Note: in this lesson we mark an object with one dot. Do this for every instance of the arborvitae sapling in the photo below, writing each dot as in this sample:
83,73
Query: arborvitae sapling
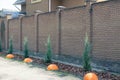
48,55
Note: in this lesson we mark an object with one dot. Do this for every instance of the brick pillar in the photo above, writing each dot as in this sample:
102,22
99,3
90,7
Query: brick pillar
8,17
20,21
90,27
6,23
60,9
2,33
37,31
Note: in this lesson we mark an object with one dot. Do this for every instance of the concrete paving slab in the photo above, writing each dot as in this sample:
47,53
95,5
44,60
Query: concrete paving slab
14,70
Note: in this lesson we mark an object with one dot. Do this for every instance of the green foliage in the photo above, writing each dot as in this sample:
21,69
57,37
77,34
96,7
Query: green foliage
48,55
0,45
86,55
10,50
26,52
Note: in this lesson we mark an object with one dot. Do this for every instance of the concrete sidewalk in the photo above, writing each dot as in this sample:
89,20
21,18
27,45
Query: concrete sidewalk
14,70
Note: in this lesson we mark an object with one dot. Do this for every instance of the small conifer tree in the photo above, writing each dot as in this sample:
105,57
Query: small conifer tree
26,55
10,50
86,55
48,55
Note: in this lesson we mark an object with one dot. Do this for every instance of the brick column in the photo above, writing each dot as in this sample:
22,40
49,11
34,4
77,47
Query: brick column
20,21
37,31
8,17
90,28
60,9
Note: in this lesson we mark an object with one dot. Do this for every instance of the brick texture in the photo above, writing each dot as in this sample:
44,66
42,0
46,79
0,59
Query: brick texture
48,26
42,6
73,3
0,26
74,23
14,32
106,30
54,4
29,31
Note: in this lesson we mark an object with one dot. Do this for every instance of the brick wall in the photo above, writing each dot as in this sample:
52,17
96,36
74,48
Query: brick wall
103,24
106,30
14,32
73,31
54,4
3,38
48,26
42,6
29,31
73,3
0,27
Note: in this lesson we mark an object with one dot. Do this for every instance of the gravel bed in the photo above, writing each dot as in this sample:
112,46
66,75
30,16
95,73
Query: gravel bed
77,70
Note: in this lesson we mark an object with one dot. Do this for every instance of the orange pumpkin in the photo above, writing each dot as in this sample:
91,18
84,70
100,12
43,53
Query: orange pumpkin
90,76
10,56
52,67
28,60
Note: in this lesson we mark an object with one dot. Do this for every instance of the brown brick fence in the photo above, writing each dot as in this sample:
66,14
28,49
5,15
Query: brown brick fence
67,30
